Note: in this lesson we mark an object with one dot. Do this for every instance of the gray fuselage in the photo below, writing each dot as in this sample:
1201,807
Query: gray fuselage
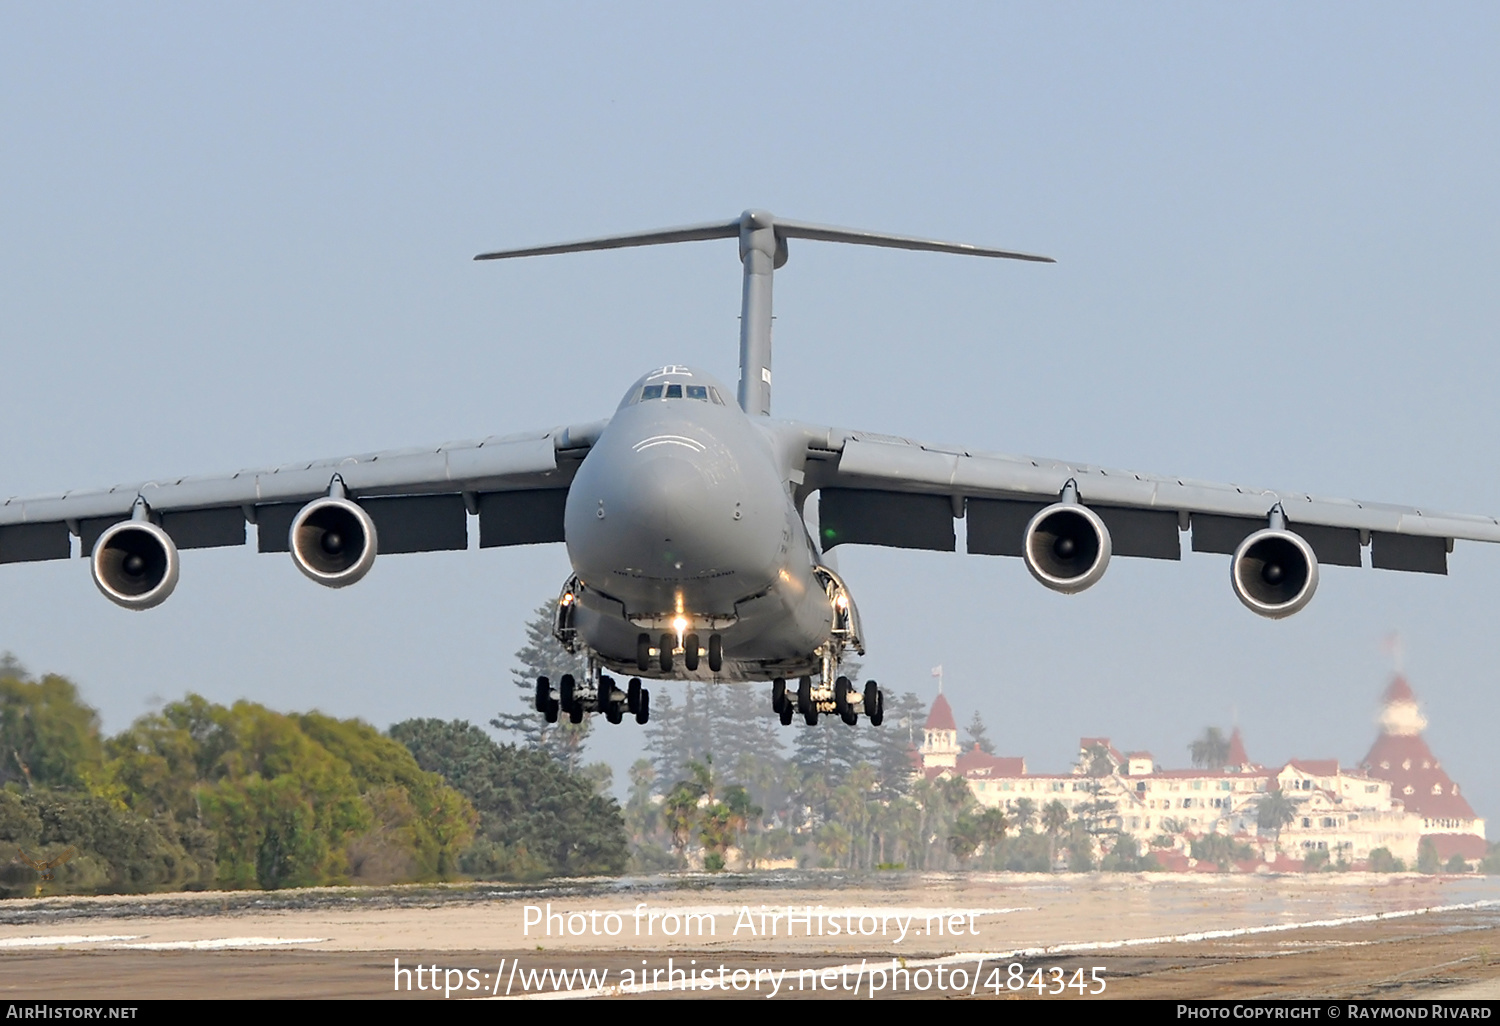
681,519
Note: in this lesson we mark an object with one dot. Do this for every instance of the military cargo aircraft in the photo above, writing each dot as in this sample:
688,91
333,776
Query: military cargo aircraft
683,517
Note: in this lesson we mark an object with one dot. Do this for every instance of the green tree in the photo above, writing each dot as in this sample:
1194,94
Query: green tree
977,735
1023,814
1382,861
1427,856
544,656
1491,861
1274,811
50,738
1220,850
1211,750
1055,818
535,818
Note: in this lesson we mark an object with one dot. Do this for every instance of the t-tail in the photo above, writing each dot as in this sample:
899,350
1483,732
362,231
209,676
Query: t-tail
763,248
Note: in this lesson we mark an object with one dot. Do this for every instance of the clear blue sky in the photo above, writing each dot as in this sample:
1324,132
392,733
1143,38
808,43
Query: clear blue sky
236,235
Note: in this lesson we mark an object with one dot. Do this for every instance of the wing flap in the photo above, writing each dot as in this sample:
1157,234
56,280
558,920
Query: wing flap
521,517
29,543
419,523
1143,511
900,520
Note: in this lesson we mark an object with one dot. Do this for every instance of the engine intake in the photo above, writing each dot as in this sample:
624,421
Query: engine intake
1066,547
333,542
135,564
1274,573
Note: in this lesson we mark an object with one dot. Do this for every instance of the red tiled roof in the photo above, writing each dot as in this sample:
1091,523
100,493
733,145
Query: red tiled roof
977,761
1407,762
1470,846
1188,774
941,717
1085,743
1316,767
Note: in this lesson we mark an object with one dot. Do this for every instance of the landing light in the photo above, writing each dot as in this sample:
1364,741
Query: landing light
680,625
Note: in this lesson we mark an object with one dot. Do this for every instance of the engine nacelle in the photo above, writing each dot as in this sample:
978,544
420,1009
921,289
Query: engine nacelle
135,564
1274,573
333,541
1066,547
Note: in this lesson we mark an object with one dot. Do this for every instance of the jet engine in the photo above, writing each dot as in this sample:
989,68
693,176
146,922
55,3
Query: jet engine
1274,573
333,541
135,564
1066,547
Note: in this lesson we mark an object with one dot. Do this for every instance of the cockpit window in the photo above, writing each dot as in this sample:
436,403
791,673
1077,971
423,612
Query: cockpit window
702,393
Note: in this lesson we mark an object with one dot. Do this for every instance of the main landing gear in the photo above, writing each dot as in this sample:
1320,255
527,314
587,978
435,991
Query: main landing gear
843,698
604,697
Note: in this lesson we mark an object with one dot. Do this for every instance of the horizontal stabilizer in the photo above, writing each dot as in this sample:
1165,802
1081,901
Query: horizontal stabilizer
829,233
687,233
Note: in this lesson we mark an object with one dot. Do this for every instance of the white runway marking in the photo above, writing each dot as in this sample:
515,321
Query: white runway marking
1051,949
218,943
52,942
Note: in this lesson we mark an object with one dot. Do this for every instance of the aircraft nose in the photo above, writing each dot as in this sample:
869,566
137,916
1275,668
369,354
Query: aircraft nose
668,497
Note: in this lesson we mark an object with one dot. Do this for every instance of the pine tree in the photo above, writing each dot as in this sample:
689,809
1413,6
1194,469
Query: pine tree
978,735
544,656
890,745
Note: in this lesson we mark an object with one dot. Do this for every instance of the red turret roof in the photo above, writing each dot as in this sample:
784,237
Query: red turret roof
1399,691
1237,756
941,717
1417,779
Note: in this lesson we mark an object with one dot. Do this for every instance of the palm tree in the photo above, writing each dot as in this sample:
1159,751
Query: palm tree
1211,751
1054,821
1023,813
1274,811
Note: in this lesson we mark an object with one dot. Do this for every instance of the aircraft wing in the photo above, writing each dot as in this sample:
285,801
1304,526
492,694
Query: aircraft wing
419,499
881,490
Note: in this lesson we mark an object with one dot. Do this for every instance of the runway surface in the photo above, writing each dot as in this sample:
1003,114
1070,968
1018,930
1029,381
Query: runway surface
798,935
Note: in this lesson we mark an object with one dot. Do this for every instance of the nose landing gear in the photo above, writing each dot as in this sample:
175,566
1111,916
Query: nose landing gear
662,652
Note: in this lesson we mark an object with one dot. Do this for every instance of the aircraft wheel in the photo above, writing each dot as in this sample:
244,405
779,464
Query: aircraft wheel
606,693
643,707
690,651
613,714
811,716
575,714
666,653
543,694
804,696
849,716
786,714
643,653
715,652
565,699
633,695
841,689
778,695
878,716
550,712
872,697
